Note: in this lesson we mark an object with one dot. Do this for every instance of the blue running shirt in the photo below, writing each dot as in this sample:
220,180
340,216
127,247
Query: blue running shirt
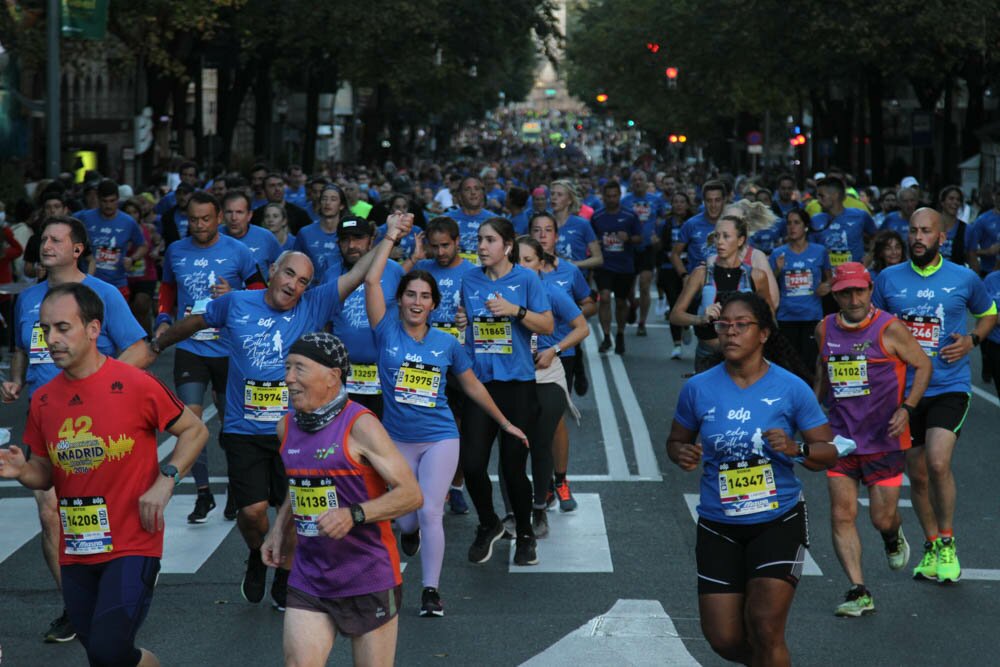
468,231
109,243
694,234
798,281
843,236
321,247
449,282
575,235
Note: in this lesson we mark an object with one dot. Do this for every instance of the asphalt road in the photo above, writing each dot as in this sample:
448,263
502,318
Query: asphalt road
498,617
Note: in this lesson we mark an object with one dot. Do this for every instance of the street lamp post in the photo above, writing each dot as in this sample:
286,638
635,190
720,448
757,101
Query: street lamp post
52,118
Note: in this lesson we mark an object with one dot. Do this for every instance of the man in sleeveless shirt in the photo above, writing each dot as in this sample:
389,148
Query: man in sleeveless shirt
340,463
864,354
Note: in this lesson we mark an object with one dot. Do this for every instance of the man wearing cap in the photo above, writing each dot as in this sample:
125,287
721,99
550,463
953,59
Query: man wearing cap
258,326
842,230
263,246
350,323
340,464
116,241
899,221
864,353
933,296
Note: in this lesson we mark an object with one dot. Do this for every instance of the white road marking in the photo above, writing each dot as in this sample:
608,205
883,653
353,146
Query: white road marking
571,477
810,567
980,575
577,541
187,546
638,633
167,445
643,446
19,518
613,449
986,396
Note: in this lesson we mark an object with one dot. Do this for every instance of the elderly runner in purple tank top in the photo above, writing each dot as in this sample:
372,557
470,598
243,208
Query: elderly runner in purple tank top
864,354
340,465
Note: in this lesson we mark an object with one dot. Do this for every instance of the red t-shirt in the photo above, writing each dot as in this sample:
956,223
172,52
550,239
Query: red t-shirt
100,435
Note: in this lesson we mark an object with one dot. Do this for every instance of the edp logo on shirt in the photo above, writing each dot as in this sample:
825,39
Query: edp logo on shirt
742,415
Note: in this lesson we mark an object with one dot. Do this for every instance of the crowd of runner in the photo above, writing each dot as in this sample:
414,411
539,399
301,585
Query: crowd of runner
367,336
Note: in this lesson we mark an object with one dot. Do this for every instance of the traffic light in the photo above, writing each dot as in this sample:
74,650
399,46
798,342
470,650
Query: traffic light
671,73
673,138
652,47
602,98
682,138
630,123
798,140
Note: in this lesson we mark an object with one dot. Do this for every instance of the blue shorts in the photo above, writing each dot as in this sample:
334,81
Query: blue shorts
107,602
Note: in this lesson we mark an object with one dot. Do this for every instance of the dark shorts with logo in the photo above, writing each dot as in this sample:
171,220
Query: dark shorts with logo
351,616
945,411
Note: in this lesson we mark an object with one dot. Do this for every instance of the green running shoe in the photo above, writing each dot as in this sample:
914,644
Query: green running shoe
948,569
899,557
857,602
927,568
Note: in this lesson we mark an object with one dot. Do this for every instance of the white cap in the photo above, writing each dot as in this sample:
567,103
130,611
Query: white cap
908,182
124,191
818,175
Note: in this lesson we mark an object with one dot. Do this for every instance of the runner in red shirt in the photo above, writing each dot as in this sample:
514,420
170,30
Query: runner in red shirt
92,434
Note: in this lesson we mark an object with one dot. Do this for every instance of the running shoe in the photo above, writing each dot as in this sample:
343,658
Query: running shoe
676,354
948,569
279,589
619,343
641,330
580,383
509,527
456,501
550,495
686,335
410,542
567,503
486,536
60,630
633,312
605,344
927,568
231,509
255,579
540,522
526,552
430,603
898,554
204,504
857,602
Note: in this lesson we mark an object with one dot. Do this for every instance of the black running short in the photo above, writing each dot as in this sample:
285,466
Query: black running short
352,616
645,260
729,554
256,473
619,284
945,411
190,367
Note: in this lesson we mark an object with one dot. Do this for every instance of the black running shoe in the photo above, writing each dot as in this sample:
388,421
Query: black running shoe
202,506
641,330
410,542
540,522
279,589
605,344
60,630
525,553
231,509
580,383
619,343
486,536
255,579
430,603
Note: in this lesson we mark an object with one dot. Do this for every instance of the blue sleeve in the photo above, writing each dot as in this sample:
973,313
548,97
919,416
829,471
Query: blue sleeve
808,414
684,235
537,299
581,290
300,242
247,266
826,262
217,310
773,259
635,226
275,248
685,414
327,298
122,329
979,299
565,308
460,359
878,294
381,329
870,228
970,236
588,233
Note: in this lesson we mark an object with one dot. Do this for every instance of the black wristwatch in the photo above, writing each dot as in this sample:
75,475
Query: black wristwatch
357,514
804,450
522,312
975,340
170,470
154,344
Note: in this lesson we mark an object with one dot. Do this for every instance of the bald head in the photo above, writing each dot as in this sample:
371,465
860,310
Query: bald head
926,236
927,216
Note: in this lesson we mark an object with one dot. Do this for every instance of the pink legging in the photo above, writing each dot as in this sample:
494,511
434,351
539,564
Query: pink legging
433,464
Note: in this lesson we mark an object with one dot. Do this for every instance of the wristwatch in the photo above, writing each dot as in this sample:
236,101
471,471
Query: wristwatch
170,470
975,340
804,450
521,312
557,349
154,344
357,514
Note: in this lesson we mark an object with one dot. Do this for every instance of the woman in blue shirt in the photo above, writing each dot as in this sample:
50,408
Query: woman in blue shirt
737,421
803,273
414,361
504,304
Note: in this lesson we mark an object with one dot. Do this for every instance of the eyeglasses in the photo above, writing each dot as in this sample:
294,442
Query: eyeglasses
724,326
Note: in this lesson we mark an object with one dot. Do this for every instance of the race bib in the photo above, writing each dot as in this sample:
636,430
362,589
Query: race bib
417,384
612,243
747,487
363,379
38,351
492,335
927,331
848,375
470,256
199,309
86,529
452,329
138,268
838,257
310,497
264,400
107,258
798,282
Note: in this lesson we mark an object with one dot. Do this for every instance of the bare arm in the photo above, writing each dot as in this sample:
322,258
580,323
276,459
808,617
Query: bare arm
588,306
280,535
898,341
138,354
576,335
760,263
368,439
182,330
678,313
596,259
762,286
682,448
191,434
34,474
675,259
11,390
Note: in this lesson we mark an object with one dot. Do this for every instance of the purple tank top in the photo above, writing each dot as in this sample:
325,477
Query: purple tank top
866,383
323,475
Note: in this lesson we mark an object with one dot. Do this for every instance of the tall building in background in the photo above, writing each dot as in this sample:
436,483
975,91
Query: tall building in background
549,90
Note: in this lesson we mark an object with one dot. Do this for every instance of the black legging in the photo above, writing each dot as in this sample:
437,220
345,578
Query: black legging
541,431
802,336
516,399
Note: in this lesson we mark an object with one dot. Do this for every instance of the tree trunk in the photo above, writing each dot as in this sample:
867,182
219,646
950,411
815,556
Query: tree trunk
312,121
876,129
234,84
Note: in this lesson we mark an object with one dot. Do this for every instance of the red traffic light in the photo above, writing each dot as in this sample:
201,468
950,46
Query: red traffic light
652,47
602,97
673,138
671,72
797,140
